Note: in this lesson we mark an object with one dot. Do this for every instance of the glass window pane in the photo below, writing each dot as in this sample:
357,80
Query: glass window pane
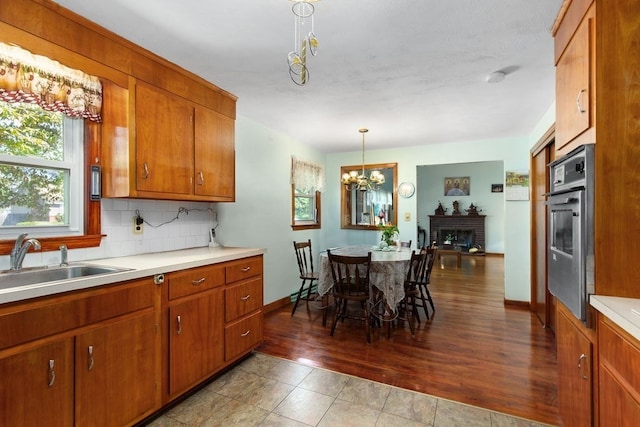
27,130
32,196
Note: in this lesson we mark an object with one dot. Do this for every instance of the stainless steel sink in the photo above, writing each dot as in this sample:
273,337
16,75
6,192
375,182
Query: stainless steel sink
13,279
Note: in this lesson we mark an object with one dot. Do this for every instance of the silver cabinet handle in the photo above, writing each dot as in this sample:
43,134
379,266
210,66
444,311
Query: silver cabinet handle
580,359
246,297
179,325
52,373
198,282
90,360
578,101
244,270
246,333
201,175
146,171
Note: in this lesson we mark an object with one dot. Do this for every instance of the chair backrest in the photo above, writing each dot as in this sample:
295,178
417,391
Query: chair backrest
430,253
350,274
304,257
417,265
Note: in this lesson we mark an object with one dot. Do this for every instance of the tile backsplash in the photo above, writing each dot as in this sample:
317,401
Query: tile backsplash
161,231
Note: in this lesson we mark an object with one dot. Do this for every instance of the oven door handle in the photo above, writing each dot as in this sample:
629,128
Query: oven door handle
567,201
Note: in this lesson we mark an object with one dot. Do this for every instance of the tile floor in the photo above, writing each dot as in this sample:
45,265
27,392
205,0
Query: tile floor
268,391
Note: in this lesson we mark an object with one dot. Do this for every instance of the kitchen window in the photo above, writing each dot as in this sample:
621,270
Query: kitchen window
307,183
41,159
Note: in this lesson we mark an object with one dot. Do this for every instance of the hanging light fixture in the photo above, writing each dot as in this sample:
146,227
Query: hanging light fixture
355,180
303,42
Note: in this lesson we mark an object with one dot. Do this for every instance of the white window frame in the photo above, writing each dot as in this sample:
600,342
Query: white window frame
73,162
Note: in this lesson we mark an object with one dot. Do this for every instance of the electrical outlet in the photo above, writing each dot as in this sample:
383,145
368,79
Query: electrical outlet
137,225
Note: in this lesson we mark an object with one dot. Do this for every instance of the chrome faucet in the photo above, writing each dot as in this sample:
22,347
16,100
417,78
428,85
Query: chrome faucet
20,249
63,256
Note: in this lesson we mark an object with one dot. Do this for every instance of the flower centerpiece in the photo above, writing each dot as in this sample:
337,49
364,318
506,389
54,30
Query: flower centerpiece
389,232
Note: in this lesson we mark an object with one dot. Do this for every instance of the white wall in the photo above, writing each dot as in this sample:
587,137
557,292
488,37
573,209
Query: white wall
430,191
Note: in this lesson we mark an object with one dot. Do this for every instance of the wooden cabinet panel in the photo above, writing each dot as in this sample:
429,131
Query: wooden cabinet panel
575,379
619,375
243,269
31,392
195,340
195,280
243,298
242,336
116,372
574,86
26,321
164,142
214,155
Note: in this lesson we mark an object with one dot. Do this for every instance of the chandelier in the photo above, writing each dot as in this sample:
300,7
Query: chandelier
355,180
303,42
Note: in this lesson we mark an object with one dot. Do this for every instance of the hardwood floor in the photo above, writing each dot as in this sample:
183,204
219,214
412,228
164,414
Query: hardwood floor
474,349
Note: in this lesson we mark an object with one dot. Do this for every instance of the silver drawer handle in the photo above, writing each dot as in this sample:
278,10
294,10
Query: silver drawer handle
244,270
201,175
52,373
179,331
244,298
198,282
578,101
246,333
146,171
90,363
580,359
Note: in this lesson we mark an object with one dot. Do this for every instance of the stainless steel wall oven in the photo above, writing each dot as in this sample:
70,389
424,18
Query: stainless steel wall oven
570,244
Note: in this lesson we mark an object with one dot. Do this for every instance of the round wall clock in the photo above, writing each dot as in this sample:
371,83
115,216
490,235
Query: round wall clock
406,189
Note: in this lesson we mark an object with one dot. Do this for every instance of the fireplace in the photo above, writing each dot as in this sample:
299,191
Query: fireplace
462,231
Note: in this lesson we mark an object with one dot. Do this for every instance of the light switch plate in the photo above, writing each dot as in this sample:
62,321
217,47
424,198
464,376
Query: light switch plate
407,216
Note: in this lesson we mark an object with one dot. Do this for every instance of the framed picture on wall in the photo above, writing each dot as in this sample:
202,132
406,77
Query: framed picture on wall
457,186
497,188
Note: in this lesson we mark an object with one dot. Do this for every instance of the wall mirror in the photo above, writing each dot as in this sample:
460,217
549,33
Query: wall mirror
364,210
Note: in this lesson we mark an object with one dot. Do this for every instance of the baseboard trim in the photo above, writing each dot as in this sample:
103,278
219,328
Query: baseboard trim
275,305
523,304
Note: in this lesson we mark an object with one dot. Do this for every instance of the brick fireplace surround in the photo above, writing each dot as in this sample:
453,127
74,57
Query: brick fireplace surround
460,224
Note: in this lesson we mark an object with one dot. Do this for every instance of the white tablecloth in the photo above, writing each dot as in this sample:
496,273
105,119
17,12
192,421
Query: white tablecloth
387,273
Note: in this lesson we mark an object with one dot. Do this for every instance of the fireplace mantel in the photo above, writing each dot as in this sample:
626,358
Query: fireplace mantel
461,223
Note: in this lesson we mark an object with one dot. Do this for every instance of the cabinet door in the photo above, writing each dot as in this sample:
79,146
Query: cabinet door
36,386
574,373
116,372
164,142
196,328
214,155
573,86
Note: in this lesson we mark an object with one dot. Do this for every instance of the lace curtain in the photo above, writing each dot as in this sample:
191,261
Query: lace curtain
307,175
36,79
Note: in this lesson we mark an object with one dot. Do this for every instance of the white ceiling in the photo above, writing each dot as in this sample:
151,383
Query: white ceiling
412,71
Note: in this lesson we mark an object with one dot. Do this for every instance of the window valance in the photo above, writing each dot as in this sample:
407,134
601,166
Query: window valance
36,79
307,175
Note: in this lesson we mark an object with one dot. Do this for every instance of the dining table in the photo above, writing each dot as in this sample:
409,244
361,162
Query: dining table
387,272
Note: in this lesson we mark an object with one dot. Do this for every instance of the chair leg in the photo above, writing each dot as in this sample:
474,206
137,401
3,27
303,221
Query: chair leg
295,304
367,326
325,308
424,300
429,298
410,310
336,316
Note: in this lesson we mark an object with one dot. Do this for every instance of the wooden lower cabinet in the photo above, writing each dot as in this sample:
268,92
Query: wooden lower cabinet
116,368
36,386
575,352
619,376
196,346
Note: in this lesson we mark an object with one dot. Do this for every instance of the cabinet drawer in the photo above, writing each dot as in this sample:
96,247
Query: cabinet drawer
243,298
619,352
27,321
243,269
242,336
195,280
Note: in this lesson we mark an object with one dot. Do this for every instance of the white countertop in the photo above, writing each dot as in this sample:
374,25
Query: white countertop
139,266
624,312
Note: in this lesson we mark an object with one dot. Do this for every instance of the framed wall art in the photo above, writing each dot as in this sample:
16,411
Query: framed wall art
457,186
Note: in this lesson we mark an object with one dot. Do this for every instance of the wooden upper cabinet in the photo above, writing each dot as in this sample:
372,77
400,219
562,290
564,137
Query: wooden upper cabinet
214,155
164,142
575,86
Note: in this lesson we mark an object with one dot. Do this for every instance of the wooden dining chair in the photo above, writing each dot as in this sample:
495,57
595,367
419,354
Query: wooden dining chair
407,307
308,275
431,253
350,276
